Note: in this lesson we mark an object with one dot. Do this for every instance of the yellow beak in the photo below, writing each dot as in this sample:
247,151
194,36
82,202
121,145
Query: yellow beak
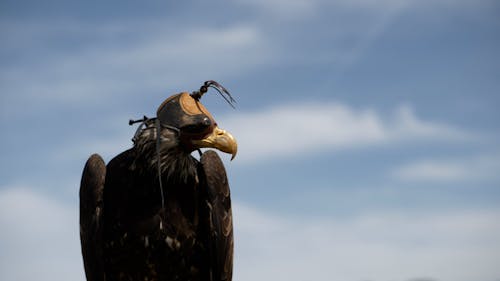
219,139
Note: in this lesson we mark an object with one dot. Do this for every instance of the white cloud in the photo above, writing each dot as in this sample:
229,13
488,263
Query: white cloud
476,168
379,247
108,147
293,9
150,55
39,237
293,130
282,8
159,58
347,28
299,128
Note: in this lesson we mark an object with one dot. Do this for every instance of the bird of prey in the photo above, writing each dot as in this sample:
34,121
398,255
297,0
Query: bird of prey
155,212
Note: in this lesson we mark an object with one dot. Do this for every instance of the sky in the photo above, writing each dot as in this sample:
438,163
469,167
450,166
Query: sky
368,131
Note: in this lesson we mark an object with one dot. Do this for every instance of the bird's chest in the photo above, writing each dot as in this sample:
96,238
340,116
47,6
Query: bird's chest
155,241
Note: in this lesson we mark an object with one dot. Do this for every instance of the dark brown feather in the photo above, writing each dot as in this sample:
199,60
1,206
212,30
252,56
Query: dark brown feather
91,206
221,228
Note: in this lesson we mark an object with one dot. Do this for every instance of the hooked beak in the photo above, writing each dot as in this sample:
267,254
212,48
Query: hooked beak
219,139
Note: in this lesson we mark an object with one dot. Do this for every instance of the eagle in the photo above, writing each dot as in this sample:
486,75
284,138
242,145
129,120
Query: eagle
156,212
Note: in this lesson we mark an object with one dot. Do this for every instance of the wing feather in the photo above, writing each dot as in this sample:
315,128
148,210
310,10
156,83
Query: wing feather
221,228
91,203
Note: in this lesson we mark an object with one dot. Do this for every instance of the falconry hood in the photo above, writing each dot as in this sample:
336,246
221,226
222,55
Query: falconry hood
196,126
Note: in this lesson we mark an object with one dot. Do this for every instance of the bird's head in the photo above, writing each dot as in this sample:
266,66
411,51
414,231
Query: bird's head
195,126
185,123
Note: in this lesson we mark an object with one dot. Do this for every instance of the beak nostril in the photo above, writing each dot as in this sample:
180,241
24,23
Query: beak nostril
218,139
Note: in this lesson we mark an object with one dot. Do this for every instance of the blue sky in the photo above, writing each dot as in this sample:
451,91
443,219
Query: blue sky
368,130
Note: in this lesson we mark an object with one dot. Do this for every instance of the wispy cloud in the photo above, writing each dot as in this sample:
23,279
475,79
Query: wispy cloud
376,246
283,9
295,129
159,58
477,168
114,59
311,127
301,8
40,241
39,237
